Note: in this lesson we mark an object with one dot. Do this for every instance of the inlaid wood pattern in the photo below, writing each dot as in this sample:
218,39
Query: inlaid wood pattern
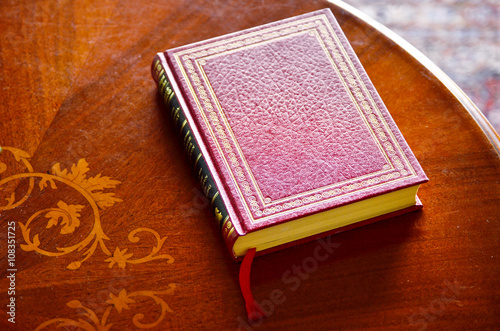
98,199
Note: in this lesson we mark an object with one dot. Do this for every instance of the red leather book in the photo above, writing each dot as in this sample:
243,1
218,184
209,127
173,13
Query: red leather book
287,134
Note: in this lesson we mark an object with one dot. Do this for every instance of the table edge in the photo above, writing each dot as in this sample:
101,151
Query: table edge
466,102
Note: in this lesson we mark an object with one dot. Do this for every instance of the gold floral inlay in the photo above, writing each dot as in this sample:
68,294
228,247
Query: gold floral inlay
67,217
119,302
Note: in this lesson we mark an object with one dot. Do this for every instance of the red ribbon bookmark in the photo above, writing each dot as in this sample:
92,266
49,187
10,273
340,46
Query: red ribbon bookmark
253,309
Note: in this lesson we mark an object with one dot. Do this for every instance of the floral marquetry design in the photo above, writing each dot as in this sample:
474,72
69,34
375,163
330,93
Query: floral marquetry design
93,185
119,257
121,301
68,214
117,303
67,217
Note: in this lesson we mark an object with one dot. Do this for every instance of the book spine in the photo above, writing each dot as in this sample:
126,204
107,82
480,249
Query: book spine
192,148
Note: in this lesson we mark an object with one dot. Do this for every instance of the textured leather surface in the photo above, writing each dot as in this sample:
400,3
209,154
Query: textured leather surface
292,117
292,122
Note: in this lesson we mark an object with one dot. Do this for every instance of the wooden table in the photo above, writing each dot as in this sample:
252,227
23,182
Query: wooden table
110,227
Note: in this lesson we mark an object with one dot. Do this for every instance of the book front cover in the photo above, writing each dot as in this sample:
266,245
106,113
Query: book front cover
293,122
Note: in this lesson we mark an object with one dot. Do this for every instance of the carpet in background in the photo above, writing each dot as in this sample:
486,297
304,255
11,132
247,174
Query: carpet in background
460,37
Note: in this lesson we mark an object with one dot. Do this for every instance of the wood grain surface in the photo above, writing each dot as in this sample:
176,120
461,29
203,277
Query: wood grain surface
111,230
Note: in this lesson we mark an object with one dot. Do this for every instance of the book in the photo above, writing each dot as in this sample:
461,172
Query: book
286,133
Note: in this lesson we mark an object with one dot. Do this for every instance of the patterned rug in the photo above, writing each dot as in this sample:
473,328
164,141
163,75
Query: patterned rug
461,36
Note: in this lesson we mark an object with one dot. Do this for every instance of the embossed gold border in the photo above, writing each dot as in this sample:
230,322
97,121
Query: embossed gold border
200,56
